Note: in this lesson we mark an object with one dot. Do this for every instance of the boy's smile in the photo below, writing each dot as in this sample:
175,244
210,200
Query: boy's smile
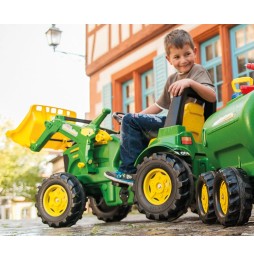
182,58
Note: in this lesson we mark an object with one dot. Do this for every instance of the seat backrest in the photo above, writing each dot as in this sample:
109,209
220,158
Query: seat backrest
191,115
193,119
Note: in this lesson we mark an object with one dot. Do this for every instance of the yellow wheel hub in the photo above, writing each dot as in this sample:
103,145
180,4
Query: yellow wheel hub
224,197
204,198
157,186
55,200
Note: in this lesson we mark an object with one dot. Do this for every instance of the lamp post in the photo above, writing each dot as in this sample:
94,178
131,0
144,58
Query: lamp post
54,37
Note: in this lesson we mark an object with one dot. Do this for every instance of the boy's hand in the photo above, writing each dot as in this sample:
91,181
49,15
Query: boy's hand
177,88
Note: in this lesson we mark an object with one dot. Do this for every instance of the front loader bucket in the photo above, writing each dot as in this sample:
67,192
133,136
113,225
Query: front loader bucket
31,128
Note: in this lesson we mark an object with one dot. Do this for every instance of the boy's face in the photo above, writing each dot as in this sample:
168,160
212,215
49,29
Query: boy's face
182,59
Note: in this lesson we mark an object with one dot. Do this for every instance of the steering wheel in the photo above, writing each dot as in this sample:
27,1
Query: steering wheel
118,116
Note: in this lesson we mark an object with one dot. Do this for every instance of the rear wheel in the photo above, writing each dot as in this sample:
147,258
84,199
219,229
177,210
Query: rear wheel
204,194
107,213
232,197
162,187
60,200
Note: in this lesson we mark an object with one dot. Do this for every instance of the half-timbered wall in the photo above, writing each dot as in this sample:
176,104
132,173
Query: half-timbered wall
125,62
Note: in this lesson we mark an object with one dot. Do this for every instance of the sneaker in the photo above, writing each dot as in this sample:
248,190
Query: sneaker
119,177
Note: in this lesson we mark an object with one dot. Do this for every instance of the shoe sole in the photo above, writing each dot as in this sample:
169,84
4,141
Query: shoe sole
119,181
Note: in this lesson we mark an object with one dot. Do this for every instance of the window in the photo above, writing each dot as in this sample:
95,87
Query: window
128,97
147,92
242,49
211,60
147,82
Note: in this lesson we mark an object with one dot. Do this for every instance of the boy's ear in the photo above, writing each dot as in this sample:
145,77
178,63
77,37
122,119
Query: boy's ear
195,50
168,59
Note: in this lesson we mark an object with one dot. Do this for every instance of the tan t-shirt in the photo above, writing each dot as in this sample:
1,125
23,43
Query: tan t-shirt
197,73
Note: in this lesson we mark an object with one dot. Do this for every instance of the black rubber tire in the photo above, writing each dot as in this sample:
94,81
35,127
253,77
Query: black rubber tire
239,193
207,216
76,200
180,197
107,213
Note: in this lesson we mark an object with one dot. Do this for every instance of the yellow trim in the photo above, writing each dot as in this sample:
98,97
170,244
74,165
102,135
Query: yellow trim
81,165
241,80
55,200
76,149
224,197
157,186
151,140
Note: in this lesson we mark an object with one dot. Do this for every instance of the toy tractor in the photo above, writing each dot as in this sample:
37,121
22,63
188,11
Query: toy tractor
88,151
209,167
164,184
201,159
164,187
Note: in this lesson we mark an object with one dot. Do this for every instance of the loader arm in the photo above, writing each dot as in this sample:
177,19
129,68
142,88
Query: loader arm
70,131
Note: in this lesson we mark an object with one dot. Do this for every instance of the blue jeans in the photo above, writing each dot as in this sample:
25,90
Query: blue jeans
136,132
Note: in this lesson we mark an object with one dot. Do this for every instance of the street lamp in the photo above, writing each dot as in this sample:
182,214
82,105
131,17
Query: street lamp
54,37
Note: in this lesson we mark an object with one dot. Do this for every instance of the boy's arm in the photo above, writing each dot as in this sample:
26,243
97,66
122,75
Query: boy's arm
152,109
203,91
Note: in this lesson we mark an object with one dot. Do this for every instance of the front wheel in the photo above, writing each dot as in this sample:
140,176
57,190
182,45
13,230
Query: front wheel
107,213
60,200
232,197
162,187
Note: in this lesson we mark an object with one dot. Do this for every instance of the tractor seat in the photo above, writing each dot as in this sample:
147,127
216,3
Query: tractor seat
191,111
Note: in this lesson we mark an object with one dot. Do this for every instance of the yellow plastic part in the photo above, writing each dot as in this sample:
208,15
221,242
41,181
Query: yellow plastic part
224,197
193,119
157,186
81,165
87,131
102,137
204,198
32,127
55,200
241,80
151,140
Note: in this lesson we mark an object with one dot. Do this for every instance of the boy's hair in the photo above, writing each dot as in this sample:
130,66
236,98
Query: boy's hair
177,38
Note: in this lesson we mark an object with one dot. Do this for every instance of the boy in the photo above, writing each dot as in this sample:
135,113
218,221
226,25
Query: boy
138,129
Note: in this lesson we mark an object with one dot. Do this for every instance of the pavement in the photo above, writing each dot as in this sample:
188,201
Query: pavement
135,224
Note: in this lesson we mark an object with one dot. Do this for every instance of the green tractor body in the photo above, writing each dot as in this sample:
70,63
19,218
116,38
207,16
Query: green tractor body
176,140
88,151
220,166
93,152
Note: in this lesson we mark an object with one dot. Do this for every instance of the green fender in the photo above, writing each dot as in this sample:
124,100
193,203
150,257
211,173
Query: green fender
156,147
169,140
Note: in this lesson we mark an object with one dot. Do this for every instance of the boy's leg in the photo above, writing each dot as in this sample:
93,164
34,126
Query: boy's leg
136,132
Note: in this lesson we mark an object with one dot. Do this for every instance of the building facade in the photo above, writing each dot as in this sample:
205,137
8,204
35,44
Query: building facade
16,208
128,70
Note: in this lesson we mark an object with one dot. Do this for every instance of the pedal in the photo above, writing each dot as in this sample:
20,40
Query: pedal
117,184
